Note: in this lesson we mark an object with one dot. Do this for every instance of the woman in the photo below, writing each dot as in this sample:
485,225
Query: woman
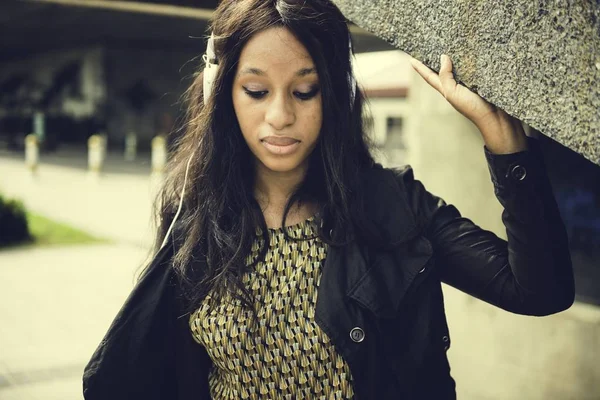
293,266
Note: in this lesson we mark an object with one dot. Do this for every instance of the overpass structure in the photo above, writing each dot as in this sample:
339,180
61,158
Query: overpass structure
72,68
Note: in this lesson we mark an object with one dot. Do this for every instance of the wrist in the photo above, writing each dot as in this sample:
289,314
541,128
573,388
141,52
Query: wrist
503,135
497,145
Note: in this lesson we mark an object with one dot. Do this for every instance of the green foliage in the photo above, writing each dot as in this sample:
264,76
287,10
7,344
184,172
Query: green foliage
13,222
48,232
21,227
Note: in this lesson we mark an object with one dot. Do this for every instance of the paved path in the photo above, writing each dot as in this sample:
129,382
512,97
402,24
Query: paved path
113,205
56,303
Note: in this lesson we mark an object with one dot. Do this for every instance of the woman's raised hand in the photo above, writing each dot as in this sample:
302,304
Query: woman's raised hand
502,133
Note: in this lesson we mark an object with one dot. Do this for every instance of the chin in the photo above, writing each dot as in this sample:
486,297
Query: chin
282,164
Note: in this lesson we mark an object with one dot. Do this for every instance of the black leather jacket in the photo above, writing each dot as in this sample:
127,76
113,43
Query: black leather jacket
383,310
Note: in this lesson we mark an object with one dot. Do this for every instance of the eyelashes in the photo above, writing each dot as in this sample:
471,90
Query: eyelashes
308,95
257,95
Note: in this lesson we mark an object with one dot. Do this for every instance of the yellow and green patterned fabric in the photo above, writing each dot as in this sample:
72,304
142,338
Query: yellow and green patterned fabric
287,356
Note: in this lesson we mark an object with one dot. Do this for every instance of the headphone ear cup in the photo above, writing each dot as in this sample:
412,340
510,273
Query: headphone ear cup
209,75
210,68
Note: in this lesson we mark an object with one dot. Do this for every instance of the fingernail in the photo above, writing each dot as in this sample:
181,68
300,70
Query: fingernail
442,58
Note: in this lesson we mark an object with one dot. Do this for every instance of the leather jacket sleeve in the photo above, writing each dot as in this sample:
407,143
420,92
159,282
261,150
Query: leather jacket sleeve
531,273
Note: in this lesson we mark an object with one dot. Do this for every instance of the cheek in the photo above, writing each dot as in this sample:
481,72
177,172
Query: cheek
247,116
314,120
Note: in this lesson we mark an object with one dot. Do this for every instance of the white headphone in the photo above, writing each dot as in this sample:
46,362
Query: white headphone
210,72
208,78
210,68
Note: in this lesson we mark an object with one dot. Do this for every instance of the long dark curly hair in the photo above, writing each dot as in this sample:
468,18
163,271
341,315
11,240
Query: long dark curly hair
220,216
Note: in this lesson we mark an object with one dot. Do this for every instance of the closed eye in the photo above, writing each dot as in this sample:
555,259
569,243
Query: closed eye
300,95
256,94
307,95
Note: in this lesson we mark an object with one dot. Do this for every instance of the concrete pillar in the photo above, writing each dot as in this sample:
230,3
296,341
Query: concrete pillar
130,146
104,144
95,153
39,126
31,152
159,154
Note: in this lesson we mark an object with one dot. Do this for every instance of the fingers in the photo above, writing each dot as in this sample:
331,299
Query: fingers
428,75
466,102
444,81
446,77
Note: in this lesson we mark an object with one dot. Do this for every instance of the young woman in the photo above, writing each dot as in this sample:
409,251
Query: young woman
292,266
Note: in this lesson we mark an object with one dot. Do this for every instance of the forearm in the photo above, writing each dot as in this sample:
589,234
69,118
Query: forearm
531,273
538,251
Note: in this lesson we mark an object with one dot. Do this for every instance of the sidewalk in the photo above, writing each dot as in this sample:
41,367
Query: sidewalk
115,205
56,303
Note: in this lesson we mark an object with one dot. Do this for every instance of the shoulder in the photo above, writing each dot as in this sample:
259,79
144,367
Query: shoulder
393,200
398,178
396,184
399,202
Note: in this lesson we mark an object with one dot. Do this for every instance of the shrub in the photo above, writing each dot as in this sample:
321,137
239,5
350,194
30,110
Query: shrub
13,222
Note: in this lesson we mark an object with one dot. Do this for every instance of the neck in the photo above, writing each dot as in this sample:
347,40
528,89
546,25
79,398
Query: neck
271,187
273,190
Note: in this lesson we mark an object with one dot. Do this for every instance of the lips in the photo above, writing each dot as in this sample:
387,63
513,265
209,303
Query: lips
280,145
279,140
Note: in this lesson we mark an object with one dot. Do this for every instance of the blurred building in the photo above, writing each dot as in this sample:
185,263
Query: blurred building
70,71
384,77
73,68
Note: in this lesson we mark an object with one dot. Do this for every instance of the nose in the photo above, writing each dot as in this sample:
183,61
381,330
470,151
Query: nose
280,112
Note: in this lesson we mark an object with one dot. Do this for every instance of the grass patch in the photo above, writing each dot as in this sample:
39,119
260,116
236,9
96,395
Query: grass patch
45,231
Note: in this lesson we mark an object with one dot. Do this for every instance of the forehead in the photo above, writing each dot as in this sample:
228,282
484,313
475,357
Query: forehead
274,50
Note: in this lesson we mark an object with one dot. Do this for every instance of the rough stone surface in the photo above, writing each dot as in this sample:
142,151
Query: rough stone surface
539,60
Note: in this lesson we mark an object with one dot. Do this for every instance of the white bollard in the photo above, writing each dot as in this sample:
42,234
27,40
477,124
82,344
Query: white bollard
104,141
39,125
130,146
95,156
159,154
32,152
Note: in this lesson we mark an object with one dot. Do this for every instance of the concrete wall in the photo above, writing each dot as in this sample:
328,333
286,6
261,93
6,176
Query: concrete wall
495,355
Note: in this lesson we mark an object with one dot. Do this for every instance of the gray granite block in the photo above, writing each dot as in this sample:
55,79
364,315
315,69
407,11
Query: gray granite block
539,60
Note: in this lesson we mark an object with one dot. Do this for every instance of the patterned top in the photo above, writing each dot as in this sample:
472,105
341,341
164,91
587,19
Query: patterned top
288,356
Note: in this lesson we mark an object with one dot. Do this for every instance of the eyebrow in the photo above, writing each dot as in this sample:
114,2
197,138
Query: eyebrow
255,71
